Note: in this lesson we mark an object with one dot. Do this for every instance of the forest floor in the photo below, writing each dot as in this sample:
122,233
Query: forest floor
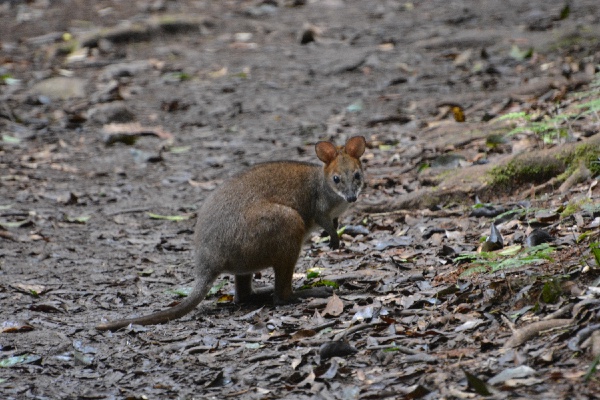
482,120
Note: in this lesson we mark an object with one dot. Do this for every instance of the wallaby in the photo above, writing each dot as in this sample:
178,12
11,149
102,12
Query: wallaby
260,218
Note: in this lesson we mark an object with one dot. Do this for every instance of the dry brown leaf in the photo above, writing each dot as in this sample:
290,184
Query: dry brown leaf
334,306
136,129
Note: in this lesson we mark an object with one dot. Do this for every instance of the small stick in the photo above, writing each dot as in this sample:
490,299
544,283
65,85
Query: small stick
526,333
128,211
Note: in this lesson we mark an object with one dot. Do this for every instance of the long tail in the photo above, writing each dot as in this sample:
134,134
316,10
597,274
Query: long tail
189,304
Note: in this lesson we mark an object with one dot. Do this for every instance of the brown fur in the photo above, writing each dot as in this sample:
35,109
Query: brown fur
260,218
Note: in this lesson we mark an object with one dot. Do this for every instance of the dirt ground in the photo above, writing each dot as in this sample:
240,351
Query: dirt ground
115,113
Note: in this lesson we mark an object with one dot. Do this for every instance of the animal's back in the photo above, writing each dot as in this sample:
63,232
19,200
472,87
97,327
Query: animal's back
288,183
252,209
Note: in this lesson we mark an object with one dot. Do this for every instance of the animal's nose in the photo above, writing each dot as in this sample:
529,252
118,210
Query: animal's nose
351,198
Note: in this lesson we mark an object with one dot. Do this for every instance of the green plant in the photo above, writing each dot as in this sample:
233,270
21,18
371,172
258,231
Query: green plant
552,128
595,248
510,257
549,128
593,105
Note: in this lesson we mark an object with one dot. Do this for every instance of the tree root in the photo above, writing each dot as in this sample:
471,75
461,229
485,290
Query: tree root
528,332
538,167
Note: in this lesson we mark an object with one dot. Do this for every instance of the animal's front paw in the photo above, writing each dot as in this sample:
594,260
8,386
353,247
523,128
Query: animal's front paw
334,242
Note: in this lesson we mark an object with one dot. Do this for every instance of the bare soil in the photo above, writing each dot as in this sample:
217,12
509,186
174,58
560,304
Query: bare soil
208,88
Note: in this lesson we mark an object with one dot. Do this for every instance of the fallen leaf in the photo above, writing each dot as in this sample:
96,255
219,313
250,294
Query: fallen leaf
339,348
522,371
10,139
30,289
472,324
78,220
175,218
459,115
84,359
129,132
327,371
477,384
16,224
334,306
182,292
303,334
16,360
46,307
15,327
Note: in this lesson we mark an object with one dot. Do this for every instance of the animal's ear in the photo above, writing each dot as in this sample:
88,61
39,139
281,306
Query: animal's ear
326,152
355,146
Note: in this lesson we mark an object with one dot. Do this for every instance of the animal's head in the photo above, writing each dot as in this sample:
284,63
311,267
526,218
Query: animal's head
343,169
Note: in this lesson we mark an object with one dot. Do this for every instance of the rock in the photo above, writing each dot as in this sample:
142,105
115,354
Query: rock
351,61
307,36
110,112
107,93
261,10
59,88
537,20
125,69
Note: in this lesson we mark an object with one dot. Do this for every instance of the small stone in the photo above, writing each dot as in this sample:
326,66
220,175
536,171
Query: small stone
59,88
125,69
307,36
537,237
110,112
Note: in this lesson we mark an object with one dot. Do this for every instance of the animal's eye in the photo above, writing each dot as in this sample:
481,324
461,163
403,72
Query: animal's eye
336,179
357,175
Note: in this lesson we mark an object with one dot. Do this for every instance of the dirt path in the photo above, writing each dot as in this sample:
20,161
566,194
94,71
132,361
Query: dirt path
209,88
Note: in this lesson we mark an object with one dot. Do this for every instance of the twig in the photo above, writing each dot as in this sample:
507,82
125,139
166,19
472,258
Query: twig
175,346
531,192
15,214
400,348
128,211
385,214
522,335
263,357
508,323
242,340
426,213
559,313
9,112
351,330
236,394
9,236
326,325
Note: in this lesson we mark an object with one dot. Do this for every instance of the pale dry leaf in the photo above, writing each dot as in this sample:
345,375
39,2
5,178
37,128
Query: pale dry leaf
334,306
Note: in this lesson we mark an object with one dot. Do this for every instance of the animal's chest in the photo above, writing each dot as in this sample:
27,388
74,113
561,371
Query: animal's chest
339,209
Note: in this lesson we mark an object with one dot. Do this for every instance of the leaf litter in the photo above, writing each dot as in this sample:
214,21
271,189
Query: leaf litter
414,299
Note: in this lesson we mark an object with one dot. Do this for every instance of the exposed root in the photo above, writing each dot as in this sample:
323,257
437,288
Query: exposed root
528,332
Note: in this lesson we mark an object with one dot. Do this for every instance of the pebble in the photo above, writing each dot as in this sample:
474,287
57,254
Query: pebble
59,88
110,112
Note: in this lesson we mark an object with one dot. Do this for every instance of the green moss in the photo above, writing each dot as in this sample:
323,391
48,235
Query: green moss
443,175
523,170
584,37
570,209
587,153
67,47
167,19
526,169
574,207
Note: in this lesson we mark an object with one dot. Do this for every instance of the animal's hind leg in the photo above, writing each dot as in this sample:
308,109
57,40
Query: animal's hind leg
278,235
243,288
245,293
287,257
